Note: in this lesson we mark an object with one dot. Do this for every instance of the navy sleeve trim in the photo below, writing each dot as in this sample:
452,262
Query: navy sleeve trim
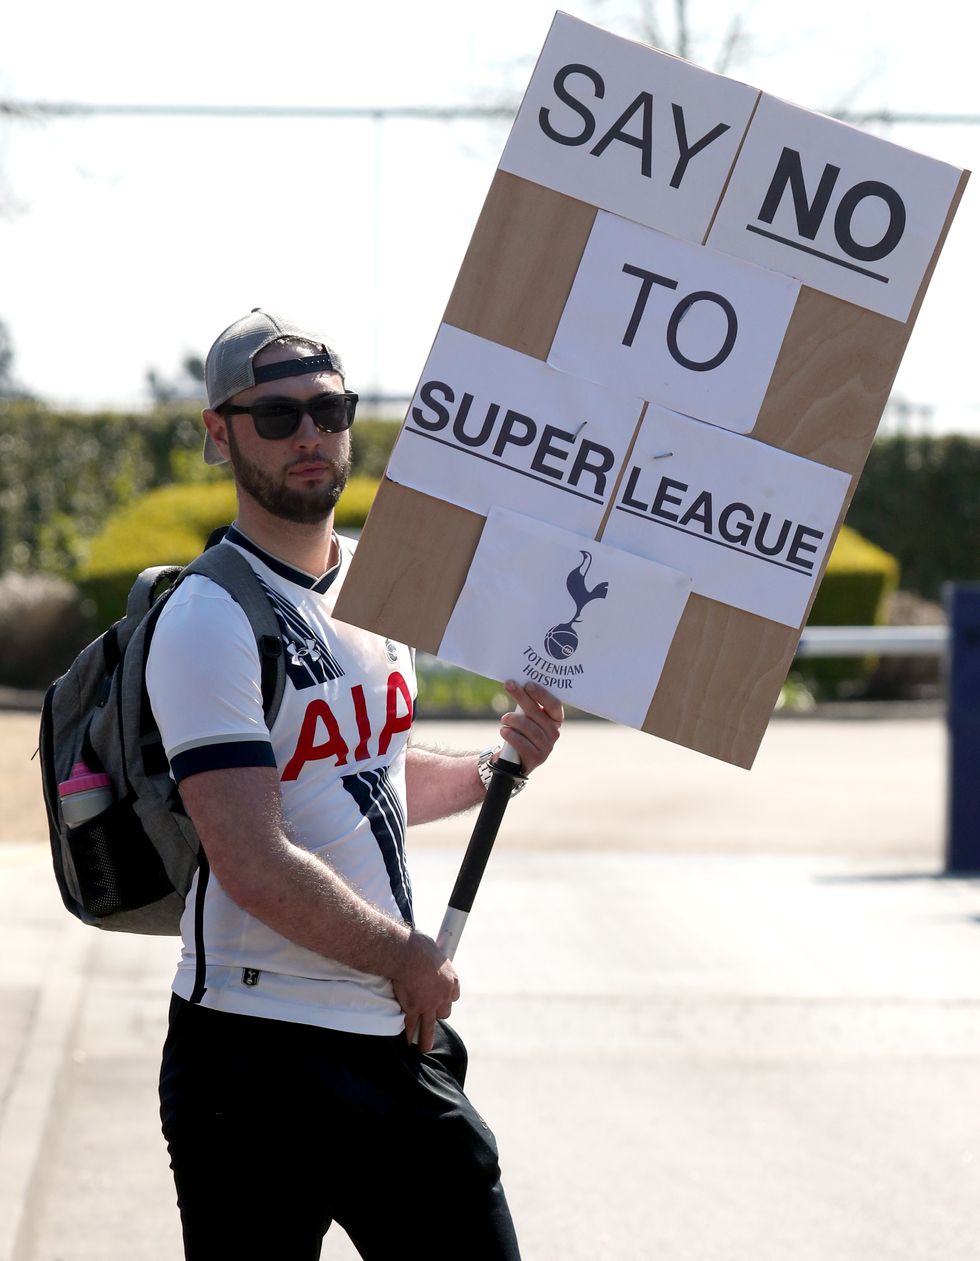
222,757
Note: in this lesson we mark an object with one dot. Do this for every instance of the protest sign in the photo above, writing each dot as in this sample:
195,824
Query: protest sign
609,251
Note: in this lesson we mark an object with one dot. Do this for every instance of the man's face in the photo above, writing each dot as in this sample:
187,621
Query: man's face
299,478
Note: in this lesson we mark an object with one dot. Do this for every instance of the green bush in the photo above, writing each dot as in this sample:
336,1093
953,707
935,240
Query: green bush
859,579
855,589
447,691
370,443
918,498
355,503
170,526
63,473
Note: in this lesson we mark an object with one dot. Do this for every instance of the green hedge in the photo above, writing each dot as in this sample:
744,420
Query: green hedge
63,473
170,526
918,498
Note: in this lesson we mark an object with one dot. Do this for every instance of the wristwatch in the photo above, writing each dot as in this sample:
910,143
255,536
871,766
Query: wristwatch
485,770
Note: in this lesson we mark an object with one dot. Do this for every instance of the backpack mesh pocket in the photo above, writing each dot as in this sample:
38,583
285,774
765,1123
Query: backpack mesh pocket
115,863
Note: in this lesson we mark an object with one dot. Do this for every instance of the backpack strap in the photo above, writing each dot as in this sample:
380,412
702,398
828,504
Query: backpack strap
229,569
143,591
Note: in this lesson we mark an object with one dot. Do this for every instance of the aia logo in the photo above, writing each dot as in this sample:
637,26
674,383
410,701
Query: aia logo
346,728
561,642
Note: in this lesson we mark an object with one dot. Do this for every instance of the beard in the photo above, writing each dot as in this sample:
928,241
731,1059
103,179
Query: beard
306,506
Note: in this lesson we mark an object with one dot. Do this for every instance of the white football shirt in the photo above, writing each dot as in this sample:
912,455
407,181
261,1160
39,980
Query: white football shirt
338,743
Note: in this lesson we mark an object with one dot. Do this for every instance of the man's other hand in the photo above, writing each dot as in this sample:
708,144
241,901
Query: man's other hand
426,988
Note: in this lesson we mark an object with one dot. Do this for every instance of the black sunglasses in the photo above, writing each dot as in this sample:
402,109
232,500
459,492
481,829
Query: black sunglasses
280,418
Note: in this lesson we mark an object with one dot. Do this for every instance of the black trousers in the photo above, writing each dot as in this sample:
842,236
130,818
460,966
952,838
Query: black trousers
275,1130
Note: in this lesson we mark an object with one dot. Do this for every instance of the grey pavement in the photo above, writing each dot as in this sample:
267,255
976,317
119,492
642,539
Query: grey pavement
711,1014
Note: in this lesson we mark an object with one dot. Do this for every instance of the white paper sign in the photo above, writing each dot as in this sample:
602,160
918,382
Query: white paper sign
672,322
845,212
491,426
749,522
590,623
625,127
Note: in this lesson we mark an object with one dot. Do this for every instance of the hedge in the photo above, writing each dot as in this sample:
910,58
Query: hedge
170,526
63,473
918,498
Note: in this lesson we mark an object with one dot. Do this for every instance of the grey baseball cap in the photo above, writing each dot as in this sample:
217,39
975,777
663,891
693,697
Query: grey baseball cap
229,367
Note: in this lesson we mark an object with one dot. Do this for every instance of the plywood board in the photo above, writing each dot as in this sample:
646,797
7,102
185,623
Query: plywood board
720,681
520,264
412,561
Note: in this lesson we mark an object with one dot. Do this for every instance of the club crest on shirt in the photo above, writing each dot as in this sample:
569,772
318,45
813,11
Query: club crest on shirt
391,650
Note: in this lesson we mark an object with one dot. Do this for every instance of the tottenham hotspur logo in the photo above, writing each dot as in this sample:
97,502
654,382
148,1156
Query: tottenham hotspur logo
561,641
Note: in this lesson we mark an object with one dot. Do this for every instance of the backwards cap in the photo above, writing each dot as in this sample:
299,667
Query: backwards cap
229,368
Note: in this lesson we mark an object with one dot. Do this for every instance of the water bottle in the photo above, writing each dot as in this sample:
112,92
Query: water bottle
84,794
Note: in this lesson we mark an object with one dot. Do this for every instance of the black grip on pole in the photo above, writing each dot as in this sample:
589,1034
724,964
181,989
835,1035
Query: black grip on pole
484,834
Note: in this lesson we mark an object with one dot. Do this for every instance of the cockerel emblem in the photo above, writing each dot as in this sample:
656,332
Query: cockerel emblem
561,641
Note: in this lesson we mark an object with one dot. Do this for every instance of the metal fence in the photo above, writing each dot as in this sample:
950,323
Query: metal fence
958,643
882,641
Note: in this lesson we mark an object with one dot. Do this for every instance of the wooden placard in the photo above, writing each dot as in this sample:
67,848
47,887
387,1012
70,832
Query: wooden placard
825,397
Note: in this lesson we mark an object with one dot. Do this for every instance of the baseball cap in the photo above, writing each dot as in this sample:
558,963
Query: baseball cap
229,367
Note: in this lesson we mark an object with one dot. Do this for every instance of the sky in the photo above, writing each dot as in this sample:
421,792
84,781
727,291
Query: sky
128,243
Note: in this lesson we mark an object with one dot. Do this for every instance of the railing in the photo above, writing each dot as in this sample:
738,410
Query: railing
959,644
882,641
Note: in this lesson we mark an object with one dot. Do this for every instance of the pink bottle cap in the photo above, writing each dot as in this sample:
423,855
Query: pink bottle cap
83,780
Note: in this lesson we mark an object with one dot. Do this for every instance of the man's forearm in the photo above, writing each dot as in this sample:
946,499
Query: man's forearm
303,898
440,784
287,887
238,815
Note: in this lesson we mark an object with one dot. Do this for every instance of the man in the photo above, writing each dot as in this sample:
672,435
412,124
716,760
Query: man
291,1095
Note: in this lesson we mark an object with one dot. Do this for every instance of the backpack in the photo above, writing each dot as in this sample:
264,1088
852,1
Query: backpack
131,866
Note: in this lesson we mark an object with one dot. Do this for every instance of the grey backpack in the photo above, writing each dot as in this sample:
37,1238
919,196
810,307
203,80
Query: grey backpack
131,866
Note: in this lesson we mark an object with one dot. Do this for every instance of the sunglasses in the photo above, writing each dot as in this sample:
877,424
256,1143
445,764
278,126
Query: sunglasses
281,417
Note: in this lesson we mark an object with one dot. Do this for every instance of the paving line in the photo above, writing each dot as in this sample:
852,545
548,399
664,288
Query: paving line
27,1113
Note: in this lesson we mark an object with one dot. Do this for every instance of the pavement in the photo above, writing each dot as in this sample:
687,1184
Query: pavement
711,1014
